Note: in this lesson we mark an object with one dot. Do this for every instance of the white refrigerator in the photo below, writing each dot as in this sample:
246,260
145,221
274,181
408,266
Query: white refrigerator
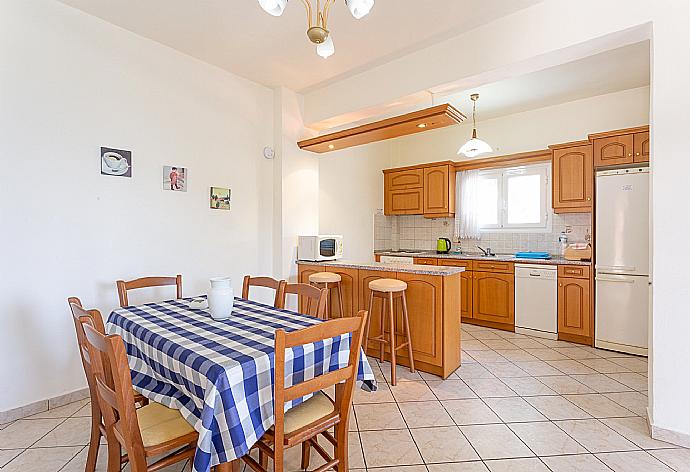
622,260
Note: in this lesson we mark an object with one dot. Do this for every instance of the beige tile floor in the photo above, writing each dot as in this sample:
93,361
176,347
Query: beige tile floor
516,404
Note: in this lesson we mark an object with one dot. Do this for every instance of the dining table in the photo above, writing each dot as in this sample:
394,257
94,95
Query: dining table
219,373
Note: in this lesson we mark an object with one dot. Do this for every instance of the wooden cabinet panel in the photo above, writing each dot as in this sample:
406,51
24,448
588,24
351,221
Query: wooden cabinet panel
572,179
466,295
439,191
425,308
405,179
404,202
613,151
425,260
455,263
641,147
573,271
494,266
304,271
574,307
350,288
493,297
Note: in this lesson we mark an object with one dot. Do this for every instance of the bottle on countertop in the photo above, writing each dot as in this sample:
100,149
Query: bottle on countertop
563,242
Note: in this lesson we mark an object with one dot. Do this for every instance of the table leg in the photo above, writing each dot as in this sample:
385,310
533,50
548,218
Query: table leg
341,434
232,466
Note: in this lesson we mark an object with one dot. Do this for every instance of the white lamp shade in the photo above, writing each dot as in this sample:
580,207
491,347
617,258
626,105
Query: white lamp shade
327,48
359,8
273,7
475,147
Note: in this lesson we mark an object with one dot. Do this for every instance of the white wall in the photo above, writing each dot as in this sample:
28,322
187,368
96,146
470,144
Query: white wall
69,84
351,182
350,193
531,130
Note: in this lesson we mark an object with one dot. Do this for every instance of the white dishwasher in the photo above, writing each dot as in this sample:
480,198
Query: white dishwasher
536,305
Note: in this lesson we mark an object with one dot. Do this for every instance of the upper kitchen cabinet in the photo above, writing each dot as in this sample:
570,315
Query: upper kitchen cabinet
572,177
439,191
420,190
621,147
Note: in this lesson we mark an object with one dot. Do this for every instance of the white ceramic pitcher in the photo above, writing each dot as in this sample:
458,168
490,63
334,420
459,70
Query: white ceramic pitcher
221,298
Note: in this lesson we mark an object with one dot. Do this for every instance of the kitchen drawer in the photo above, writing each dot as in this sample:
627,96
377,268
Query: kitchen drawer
573,271
455,263
425,260
493,266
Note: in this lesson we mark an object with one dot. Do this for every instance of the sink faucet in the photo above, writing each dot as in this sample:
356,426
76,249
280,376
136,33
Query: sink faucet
487,252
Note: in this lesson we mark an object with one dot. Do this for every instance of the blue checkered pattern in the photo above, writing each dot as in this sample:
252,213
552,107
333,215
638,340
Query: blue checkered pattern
219,374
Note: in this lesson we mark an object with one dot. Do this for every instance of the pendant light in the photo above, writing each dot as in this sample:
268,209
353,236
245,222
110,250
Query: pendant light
474,146
317,19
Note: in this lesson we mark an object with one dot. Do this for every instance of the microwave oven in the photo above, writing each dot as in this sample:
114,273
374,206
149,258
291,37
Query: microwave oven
320,248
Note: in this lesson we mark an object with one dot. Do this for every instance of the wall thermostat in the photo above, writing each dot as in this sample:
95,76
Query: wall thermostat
269,153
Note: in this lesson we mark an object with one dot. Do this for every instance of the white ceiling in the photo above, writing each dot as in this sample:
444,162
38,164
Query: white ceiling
238,36
612,71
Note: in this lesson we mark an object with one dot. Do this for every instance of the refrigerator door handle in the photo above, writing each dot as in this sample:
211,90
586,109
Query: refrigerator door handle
616,268
613,278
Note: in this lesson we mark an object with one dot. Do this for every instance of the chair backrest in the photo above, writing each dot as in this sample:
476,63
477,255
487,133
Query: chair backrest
312,300
82,317
113,381
277,285
146,282
348,374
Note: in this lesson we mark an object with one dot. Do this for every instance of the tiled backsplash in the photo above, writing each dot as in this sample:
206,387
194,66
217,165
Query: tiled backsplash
417,232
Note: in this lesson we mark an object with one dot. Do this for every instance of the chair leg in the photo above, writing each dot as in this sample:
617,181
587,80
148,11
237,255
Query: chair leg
306,454
392,338
327,312
341,448
114,454
406,320
94,444
340,300
366,328
263,459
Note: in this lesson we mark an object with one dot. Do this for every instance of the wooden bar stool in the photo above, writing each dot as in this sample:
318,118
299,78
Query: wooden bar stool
329,280
388,290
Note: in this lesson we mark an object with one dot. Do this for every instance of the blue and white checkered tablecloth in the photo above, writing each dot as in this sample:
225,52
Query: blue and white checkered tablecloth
219,374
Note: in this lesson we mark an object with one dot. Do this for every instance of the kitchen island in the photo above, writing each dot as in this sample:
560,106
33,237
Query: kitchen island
433,303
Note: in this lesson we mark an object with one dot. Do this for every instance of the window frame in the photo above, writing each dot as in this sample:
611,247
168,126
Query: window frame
502,175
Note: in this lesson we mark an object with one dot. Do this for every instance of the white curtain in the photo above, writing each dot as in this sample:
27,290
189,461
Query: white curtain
467,205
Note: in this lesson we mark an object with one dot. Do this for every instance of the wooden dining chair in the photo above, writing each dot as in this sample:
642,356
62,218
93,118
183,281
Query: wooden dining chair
312,300
277,285
153,430
93,318
146,282
303,424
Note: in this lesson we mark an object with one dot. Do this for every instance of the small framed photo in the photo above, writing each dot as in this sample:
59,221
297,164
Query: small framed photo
220,198
117,162
175,178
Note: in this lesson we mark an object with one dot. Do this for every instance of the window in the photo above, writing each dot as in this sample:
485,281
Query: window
517,198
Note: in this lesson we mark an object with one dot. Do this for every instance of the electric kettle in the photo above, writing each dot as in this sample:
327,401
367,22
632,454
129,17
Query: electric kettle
443,246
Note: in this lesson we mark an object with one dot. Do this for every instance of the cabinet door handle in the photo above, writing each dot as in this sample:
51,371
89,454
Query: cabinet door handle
637,153
630,154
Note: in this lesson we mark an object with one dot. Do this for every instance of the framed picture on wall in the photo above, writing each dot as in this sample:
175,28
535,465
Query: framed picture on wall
117,162
175,178
220,198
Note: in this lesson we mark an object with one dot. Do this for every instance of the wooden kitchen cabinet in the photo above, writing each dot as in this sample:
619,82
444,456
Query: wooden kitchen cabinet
364,277
574,310
493,299
439,191
427,190
621,147
641,147
350,288
425,260
466,295
573,178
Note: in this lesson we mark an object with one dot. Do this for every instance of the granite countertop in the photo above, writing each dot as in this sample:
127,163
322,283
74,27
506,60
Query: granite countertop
390,267
555,260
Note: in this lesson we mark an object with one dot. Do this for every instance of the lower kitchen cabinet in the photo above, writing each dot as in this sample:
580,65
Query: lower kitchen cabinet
350,293
466,295
574,310
493,299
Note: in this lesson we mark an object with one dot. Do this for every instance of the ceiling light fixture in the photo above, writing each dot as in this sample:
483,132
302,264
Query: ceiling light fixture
474,146
421,125
317,19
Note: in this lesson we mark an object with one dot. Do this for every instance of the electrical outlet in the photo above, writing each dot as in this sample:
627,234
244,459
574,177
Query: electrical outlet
568,229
